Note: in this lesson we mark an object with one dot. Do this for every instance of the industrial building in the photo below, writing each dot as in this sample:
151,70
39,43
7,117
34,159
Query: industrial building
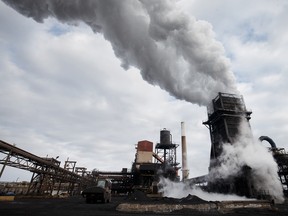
149,164
225,116
224,120
281,158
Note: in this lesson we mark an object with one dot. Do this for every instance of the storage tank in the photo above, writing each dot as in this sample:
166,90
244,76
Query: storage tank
165,137
144,152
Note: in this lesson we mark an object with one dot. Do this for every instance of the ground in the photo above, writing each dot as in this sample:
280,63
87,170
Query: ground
76,206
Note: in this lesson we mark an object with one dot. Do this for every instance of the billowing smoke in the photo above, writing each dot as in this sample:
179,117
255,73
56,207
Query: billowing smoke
244,152
181,190
249,152
171,49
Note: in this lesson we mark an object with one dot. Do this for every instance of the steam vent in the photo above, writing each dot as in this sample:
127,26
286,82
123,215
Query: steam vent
226,116
224,119
136,190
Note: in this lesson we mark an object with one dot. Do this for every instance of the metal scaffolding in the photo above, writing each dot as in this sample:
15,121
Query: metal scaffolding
224,119
47,173
225,116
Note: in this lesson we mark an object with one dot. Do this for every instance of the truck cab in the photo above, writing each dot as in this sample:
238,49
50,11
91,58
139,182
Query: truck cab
100,192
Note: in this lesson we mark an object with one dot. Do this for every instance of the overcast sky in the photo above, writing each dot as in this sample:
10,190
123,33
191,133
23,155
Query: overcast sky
64,92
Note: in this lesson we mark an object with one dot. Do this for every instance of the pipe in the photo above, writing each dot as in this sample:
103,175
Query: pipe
185,171
268,139
157,157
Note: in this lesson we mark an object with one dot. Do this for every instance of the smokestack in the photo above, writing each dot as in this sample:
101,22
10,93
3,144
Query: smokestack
185,171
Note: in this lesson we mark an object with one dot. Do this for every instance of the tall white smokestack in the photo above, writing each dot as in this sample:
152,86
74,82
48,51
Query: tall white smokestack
185,171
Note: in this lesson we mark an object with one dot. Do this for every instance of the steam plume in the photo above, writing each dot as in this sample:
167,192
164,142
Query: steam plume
248,152
180,190
244,152
171,50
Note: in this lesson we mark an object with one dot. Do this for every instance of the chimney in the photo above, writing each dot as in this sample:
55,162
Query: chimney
185,171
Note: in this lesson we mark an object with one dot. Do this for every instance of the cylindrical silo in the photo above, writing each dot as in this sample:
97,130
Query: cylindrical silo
165,137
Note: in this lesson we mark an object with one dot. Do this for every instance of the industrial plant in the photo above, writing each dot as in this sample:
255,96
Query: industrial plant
152,162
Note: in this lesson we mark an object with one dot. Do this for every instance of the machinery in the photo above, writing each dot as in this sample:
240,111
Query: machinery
100,192
281,157
224,118
149,166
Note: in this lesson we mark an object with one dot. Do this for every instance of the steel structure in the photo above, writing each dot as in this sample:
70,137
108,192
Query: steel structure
224,119
166,150
146,172
122,182
281,158
47,173
225,116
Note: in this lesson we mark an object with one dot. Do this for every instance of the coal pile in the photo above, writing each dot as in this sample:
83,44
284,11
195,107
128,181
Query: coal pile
76,205
141,197
192,199
138,196
139,202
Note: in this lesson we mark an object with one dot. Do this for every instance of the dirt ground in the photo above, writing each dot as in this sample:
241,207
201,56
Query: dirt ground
76,206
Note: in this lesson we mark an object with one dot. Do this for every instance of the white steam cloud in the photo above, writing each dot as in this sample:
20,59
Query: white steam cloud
249,152
180,190
172,50
244,152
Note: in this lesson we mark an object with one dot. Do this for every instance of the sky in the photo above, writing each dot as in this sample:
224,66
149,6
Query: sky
64,91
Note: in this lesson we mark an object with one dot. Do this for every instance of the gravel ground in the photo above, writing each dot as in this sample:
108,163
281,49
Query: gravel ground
76,206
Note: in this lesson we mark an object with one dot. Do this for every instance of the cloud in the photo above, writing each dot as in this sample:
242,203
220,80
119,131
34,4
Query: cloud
170,49
67,95
259,65
248,152
181,190
64,93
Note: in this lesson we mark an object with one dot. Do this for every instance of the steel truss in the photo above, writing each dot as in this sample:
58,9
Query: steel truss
47,173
